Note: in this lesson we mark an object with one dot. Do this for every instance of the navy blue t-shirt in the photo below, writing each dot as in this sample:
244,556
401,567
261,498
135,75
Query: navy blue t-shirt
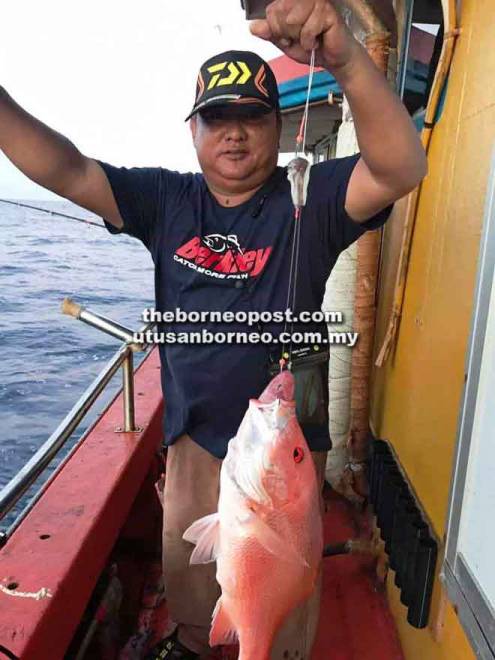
213,258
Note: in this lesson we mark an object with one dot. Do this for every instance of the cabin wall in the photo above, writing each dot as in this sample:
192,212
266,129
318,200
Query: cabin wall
416,395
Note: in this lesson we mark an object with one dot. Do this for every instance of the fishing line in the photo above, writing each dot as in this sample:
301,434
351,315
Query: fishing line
301,137
66,216
296,238
297,231
48,211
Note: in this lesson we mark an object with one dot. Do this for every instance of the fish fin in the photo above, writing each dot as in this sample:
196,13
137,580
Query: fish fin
247,474
205,534
222,631
274,543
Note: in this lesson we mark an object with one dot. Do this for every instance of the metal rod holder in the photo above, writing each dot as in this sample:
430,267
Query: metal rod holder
99,321
409,539
120,332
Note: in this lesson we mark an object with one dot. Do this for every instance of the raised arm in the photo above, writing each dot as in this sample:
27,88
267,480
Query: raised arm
393,161
52,161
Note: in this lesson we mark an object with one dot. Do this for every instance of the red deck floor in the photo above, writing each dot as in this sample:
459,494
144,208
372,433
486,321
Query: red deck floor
355,622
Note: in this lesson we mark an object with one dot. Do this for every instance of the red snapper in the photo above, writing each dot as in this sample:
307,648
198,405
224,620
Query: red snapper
267,534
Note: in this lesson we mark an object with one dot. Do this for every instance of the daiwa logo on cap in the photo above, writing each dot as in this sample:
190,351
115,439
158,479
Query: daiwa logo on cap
238,73
236,76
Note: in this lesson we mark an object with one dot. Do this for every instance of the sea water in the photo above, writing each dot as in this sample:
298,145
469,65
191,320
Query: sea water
48,359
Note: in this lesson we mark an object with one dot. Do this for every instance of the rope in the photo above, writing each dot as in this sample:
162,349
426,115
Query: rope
62,215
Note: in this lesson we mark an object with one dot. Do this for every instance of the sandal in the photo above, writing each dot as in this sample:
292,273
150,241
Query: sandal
171,649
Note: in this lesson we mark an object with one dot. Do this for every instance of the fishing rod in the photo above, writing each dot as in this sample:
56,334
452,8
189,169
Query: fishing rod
58,213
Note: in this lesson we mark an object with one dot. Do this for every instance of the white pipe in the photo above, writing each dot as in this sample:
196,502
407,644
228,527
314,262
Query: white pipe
339,296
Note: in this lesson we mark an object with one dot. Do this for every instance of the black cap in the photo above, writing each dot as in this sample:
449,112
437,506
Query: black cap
236,76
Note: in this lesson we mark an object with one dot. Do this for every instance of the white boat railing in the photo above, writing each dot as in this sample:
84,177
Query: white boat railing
27,475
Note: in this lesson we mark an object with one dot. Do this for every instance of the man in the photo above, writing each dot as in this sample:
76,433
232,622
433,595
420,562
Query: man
221,241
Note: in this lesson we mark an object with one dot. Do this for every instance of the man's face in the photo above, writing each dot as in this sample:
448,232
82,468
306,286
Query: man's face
237,148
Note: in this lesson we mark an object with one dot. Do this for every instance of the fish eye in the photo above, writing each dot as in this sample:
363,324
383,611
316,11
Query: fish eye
298,454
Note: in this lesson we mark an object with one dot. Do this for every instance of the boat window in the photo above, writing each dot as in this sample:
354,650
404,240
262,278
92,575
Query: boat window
421,40
468,568
326,148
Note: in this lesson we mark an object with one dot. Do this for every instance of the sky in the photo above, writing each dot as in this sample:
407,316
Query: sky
116,77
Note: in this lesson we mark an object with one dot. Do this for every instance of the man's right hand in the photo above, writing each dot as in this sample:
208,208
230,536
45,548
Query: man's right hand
52,161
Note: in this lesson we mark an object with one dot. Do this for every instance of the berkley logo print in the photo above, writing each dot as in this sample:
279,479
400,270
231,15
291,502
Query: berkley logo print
222,257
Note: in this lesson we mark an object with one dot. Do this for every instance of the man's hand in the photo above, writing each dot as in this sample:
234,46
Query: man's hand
297,26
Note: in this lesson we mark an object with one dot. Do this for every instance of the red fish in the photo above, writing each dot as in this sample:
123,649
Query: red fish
267,535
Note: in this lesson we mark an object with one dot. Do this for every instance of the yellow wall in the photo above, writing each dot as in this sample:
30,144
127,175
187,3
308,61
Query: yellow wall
444,639
416,396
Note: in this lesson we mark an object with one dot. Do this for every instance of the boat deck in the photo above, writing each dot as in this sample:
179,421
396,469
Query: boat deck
101,510
355,623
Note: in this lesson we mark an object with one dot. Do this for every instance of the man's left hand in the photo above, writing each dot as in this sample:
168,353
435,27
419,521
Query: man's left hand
297,26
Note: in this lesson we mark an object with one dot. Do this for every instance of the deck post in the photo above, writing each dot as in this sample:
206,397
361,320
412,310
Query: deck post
128,393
